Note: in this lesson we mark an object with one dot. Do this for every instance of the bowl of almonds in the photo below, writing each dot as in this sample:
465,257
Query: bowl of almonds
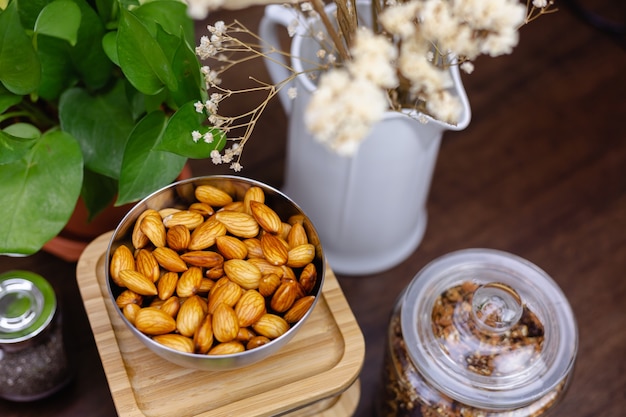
215,272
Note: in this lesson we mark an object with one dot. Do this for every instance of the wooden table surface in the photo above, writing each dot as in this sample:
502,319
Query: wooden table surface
540,172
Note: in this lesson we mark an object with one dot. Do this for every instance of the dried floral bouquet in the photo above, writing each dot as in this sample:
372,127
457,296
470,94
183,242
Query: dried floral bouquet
399,60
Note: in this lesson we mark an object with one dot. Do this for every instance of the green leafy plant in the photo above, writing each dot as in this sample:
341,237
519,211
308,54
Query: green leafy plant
96,100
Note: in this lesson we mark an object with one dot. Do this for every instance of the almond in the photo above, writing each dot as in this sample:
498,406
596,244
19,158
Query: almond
297,236
166,285
154,229
299,309
265,267
153,321
225,324
250,308
254,247
139,238
203,208
271,326
284,296
274,249
257,341
128,297
224,292
121,259
130,312
253,193
147,264
234,206
265,217
189,219
283,233
171,306
231,247
243,273
203,337
244,334
178,238
213,196
268,284
204,235
301,255
169,259
190,316
189,282
137,282
215,273
308,278
205,285
227,348
205,259
239,224
176,342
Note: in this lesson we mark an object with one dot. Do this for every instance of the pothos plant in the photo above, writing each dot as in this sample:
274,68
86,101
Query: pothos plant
94,98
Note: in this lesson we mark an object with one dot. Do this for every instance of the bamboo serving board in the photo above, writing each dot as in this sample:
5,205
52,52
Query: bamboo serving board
316,373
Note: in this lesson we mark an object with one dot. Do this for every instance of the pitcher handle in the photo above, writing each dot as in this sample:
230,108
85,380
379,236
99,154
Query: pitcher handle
276,17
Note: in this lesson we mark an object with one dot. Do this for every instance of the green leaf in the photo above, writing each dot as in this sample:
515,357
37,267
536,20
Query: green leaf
97,193
141,58
65,11
186,66
20,70
109,45
39,193
101,124
88,56
57,71
16,141
177,137
7,99
144,169
171,15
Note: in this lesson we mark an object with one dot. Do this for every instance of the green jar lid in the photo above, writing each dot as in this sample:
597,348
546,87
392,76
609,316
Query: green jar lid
27,305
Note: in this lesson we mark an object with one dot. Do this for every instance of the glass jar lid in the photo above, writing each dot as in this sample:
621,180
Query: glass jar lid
489,329
27,305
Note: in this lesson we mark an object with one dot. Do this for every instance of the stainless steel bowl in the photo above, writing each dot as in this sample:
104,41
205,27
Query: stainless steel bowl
181,194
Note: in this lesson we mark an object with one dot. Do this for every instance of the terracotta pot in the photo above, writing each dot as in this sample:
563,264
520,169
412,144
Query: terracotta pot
79,231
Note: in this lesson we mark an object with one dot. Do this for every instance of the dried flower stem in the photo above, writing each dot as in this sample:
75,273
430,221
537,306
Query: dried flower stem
318,6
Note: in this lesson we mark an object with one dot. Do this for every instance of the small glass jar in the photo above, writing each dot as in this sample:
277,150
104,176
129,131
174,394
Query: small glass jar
33,360
478,332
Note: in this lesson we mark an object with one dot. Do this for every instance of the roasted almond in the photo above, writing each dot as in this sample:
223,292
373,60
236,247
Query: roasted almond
257,341
297,236
153,321
268,284
203,208
254,247
169,259
128,297
171,306
213,196
224,292
189,282
121,259
130,312
139,238
253,193
243,273
308,278
245,334
137,282
265,267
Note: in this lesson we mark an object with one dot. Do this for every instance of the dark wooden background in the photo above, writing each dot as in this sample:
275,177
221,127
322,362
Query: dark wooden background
539,172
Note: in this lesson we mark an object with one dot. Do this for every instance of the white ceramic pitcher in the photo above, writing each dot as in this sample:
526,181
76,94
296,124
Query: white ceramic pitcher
369,209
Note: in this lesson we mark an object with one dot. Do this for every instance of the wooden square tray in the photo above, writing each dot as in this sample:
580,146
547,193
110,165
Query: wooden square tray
316,373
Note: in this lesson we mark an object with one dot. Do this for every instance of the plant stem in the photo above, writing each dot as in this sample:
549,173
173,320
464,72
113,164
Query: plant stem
318,5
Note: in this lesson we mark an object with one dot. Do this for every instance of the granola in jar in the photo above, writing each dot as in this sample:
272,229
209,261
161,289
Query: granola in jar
478,333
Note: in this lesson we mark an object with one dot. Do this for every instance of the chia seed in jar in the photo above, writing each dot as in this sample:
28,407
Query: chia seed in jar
33,360
478,332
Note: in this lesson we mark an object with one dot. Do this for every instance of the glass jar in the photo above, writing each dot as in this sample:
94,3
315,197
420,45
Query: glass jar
478,332
33,360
